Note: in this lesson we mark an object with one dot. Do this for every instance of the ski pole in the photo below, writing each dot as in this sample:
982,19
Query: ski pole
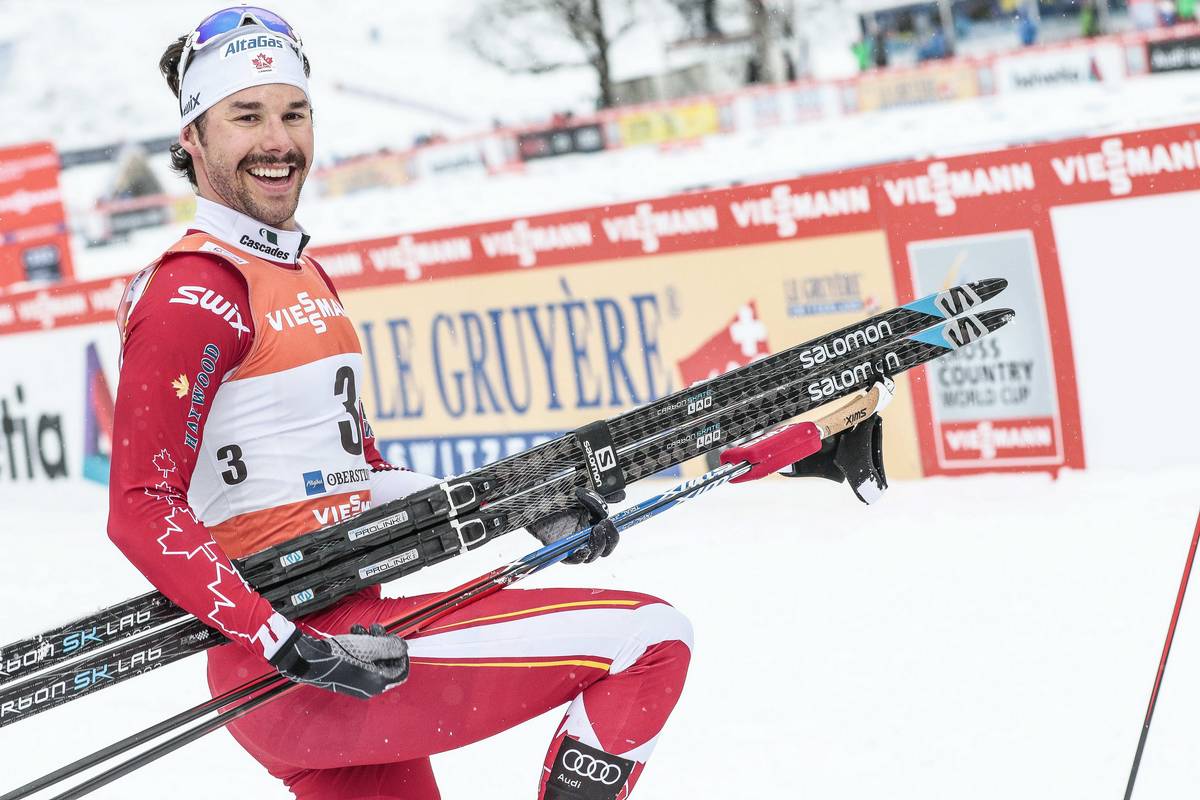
1162,663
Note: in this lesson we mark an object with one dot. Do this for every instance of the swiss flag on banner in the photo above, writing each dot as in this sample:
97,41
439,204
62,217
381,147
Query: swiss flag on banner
742,340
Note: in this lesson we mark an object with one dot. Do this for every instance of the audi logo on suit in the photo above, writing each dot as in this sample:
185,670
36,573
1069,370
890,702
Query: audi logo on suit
591,767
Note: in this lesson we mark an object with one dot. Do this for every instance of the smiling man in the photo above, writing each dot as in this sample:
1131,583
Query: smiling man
238,426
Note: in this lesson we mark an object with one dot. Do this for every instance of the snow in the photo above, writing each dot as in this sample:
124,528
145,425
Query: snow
987,637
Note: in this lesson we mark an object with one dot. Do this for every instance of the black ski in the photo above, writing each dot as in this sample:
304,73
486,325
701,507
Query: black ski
467,493
190,636
405,550
597,447
109,625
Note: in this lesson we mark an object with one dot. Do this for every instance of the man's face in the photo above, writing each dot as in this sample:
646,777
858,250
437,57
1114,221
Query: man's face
257,149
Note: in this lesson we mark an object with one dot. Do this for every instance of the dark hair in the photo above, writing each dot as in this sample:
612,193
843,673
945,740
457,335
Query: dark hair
168,65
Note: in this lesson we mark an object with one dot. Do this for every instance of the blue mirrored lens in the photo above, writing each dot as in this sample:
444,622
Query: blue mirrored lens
227,19
271,20
218,23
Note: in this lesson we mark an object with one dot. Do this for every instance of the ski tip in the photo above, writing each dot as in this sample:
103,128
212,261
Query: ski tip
963,330
997,318
989,287
959,299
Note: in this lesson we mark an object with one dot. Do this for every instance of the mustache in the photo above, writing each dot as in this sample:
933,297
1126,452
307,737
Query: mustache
291,159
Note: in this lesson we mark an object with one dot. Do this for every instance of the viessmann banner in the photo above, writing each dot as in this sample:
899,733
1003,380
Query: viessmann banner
462,377
482,340
488,339
557,343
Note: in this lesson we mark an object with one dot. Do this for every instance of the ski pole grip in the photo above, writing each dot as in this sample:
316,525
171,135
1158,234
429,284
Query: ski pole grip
774,450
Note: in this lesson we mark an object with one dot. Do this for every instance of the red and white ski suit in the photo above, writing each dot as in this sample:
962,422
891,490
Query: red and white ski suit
238,426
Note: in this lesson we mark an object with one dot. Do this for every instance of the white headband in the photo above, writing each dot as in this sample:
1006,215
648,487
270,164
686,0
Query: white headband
245,57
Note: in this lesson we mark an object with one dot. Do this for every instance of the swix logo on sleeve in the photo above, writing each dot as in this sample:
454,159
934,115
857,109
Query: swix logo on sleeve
211,301
306,311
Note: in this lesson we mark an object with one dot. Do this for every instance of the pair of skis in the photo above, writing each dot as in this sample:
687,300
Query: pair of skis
767,453
462,513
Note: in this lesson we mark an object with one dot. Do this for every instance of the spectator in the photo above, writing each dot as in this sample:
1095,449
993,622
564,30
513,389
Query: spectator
879,49
1144,14
1089,19
133,176
753,71
1027,26
862,53
932,40
867,47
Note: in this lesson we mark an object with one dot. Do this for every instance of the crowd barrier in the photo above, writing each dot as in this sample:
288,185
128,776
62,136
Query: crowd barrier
1077,62
671,123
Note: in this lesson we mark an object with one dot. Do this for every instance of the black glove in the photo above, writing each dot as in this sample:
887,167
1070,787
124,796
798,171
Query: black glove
593,511
362,663
855,455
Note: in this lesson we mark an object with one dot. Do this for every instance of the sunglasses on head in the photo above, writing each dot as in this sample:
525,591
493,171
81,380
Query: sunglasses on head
229,19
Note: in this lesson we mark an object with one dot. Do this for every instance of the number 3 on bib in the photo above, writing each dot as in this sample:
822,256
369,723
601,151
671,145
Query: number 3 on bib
344,389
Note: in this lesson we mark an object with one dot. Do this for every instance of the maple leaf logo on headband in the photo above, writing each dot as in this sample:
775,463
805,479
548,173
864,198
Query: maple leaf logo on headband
262,62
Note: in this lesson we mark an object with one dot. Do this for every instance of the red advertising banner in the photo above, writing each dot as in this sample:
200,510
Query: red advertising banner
33,234
709,273
1010,401
819,206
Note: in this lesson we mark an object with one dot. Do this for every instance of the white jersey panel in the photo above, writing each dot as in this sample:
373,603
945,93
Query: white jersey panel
282,438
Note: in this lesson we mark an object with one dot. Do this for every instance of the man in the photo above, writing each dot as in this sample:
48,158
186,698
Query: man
240,373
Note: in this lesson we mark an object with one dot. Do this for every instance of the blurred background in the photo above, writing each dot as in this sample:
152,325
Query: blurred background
543,212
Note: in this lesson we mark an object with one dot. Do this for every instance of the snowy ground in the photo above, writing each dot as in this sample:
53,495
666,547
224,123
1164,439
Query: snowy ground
990,637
